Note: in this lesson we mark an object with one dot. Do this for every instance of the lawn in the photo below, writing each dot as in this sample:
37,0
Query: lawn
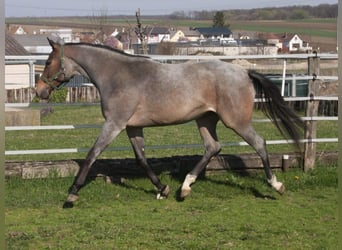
226,211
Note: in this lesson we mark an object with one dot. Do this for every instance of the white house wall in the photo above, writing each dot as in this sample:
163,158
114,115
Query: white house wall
17,76
293,41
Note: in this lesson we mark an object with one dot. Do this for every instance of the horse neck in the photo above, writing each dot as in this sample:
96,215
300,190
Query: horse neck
90,61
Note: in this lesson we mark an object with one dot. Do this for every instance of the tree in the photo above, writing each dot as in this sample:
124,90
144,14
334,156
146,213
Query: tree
140,31
218,20
299,14
101,21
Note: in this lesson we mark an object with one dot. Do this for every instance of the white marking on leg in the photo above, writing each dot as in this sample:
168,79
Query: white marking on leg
186,189
164,194
275,184
160,197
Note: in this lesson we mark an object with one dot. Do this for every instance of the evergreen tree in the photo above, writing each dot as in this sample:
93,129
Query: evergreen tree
218,20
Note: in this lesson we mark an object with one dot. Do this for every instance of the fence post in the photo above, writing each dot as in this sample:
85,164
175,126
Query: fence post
311,110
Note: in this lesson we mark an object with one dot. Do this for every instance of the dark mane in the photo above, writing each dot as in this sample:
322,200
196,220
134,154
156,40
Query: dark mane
107,48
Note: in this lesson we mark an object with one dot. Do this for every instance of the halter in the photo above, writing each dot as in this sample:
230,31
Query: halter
49,81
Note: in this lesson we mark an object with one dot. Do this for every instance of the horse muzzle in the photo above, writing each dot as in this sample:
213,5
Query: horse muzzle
42,90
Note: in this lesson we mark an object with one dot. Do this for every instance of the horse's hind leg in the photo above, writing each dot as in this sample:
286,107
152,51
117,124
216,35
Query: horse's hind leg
252,138
207,128
137,140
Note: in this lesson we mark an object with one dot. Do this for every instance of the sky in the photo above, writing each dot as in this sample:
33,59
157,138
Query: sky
37,8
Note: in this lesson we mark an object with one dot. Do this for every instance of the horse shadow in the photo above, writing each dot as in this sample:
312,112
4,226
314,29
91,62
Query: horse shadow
177,167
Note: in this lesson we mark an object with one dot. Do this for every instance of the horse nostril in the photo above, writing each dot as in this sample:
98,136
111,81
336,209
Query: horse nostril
42,93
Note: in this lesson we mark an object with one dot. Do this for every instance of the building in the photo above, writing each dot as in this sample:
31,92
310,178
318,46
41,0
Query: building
157,35
34,44
214,32
17,72
286,43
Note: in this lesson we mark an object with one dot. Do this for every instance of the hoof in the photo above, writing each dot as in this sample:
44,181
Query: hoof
164,193
68,204
185,192
281,190
72,198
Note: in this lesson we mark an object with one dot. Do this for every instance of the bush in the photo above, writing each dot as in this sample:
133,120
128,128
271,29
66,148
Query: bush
57,96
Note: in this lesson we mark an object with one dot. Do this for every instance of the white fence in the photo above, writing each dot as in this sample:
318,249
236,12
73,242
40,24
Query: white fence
185,58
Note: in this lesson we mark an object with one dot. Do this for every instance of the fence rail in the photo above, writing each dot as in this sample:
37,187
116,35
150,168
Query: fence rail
96,126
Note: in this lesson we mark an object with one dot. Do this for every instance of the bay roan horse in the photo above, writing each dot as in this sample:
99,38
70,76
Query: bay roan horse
137,92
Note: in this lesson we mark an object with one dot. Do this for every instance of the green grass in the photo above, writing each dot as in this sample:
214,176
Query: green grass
314,20
226,211
257,26
168,135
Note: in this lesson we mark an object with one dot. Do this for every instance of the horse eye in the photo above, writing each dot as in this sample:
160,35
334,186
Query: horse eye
48,63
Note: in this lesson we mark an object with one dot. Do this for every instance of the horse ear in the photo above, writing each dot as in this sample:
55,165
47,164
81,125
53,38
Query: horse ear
54,40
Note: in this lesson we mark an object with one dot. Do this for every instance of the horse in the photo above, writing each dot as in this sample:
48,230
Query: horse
138,92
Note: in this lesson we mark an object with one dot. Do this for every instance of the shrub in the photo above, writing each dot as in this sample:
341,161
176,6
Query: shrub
57,96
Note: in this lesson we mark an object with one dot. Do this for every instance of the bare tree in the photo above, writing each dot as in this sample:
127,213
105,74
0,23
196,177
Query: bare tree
140,31
101,22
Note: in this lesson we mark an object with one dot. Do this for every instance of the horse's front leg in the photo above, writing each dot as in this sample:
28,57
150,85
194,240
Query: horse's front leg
137,140
108,134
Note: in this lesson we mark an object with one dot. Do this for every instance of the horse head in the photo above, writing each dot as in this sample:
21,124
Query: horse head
56,72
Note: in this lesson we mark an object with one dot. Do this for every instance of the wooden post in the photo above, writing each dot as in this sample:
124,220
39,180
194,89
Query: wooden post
339,46
311,110
2,123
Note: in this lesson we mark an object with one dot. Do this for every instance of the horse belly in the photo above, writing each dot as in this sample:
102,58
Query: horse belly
161,116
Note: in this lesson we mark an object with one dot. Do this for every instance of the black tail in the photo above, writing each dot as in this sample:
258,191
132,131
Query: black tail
276,108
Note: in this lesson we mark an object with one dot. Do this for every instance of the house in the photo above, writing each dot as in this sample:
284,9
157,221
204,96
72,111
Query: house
157,35
65,34
87,37
214,32
192,35
35,44
294,43
20,31
177,36
286,42
17,74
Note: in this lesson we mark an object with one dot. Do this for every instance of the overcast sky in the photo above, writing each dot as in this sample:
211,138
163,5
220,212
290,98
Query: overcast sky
20,8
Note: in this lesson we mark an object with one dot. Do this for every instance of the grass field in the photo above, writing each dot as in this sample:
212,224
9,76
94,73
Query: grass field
308,27
226,211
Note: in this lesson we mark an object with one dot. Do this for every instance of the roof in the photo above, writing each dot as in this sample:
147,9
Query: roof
13,47
157,30
214,31
32,40
191,32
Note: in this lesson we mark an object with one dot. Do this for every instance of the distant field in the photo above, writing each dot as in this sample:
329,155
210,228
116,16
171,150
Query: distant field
308,27
320,33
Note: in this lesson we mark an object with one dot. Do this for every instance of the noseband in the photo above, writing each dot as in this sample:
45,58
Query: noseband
49,81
